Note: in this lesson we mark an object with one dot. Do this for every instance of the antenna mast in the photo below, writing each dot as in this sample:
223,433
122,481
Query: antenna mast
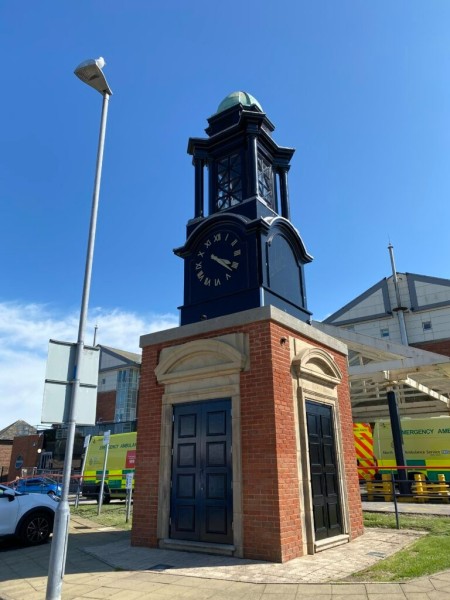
400,310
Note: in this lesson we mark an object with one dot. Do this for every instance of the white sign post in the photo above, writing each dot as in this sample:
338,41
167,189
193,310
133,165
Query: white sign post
106,437
129,485
87,439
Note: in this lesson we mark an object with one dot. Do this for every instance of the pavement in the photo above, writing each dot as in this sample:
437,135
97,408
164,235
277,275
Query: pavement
101,563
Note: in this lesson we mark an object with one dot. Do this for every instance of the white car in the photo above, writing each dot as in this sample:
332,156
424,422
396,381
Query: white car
28,517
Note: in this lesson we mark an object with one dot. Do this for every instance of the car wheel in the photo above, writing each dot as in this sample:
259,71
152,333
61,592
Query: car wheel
36,528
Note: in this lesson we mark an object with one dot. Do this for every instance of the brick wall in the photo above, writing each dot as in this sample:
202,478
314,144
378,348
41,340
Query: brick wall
145,496
272,527
5,458
106,406
27,447
438,346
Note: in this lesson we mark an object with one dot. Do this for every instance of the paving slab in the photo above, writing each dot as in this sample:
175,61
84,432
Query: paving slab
331,565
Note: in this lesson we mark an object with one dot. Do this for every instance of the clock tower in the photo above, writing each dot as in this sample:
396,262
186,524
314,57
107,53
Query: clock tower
244,424
241,249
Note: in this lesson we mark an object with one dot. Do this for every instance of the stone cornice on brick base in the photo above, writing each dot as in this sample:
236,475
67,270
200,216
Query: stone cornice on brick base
254,315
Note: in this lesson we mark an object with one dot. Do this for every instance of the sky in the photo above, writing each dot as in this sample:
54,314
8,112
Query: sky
360,89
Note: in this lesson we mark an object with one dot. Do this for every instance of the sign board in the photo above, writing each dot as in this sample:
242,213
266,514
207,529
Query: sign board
58,383
87,439
129,478
424,440
106,437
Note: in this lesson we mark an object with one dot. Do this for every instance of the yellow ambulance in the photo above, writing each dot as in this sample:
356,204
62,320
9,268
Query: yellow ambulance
120,461
426,444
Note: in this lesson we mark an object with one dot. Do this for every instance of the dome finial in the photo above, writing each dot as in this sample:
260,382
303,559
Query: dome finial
239,98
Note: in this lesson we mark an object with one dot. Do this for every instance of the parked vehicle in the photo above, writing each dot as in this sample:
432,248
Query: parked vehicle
28,517
365,457
426,443
120,461
38,485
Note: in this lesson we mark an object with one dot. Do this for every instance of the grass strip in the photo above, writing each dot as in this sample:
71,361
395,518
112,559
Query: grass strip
426,556
112,515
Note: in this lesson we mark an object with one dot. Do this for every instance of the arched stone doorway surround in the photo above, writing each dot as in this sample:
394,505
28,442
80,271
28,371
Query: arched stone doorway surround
316,379
198,371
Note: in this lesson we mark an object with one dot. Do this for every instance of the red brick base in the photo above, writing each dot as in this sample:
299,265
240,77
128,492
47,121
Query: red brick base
272,524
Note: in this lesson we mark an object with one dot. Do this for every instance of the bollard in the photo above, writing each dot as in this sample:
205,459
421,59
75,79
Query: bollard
387,487
419,487
443,487
382,488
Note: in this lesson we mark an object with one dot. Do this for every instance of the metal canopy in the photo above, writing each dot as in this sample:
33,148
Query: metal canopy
420,379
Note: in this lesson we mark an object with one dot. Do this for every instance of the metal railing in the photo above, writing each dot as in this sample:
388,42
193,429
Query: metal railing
401,483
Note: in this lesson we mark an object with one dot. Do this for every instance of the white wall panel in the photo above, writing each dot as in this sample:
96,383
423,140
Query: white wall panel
374,304
429,293
107,382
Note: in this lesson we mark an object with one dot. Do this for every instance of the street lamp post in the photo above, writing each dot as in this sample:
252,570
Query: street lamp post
91,73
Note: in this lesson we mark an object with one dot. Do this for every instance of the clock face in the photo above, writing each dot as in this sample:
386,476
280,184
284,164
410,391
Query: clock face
218,260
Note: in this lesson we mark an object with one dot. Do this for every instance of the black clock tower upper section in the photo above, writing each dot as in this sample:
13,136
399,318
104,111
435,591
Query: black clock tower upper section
241,249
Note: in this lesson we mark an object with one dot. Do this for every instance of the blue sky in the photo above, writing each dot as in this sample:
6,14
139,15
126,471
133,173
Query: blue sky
361,90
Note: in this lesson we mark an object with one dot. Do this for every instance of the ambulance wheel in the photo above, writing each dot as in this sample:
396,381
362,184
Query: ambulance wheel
106,495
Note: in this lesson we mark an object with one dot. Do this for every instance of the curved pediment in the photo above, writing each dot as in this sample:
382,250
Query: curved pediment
316,364
200,358
281,226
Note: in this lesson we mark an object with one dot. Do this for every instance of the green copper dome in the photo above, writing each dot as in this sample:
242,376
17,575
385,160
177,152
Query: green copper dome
238,98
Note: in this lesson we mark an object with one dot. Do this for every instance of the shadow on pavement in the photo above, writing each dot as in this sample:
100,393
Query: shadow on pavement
19,562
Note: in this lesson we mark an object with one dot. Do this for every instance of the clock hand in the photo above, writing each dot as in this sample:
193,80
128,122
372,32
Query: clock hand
222,261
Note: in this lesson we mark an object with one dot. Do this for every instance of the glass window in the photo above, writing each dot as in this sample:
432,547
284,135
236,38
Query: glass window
265,180
384,332
126,395
229,182
426,326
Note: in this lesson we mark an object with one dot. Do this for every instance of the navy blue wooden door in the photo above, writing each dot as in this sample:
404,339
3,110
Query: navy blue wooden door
201,495
324,472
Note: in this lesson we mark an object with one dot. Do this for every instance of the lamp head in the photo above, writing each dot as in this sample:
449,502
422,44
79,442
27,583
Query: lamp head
90,72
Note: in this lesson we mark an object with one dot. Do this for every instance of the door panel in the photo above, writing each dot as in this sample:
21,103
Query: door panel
324,472
201,498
